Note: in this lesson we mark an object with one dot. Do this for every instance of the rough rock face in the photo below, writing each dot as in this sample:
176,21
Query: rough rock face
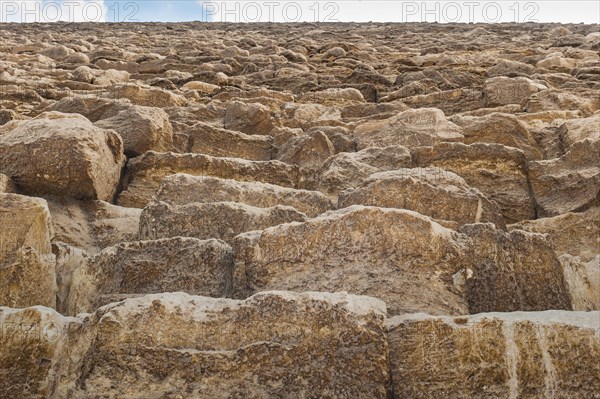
177,344
499,172
27,264
218,142
569,183
411,128
222,220
200,267
430,191
451,169
6,184
32,344
371,251
145,173
33,154
142,129
347,170
577,234
92,225
495,355
506,264
499,128
362,250
183,189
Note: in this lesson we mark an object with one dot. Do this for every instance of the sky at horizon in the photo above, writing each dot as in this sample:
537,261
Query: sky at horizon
578,11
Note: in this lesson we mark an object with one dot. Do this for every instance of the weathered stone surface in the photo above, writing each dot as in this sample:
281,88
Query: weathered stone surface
586,102
222,220
177,344
411,128
147,96
32,343
430,191
228,128
183,189
512,271
6,184
499,128
344,251
253,118
441,271
218,142
142,129
201,267
92,225
495,355
350,169
145,173
575,130
499,172
307,151
577,234
569,183
34,154
27,265
583,281
502,90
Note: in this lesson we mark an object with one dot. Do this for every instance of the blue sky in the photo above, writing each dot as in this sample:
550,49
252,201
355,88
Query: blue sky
154,10
572,11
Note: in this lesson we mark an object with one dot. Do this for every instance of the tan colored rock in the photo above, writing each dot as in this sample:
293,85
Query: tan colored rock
145,173
569,183
33,341
333,96
129,269
575,130
142,129
181,189
583,281
202,87
182,345
92,225
349,169
586,101
218,142
557,63
34,154
575,233
499,128
222,220
410,128
512,271
92,107
398,256
68,259
502,90
147,96
307,151
27,265
495,355
430,191
499,172
6,184
253,118
449,101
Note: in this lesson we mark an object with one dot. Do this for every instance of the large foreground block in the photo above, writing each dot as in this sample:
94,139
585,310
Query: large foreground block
27,265
553,354
61,154
406,259
273,345
201,267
